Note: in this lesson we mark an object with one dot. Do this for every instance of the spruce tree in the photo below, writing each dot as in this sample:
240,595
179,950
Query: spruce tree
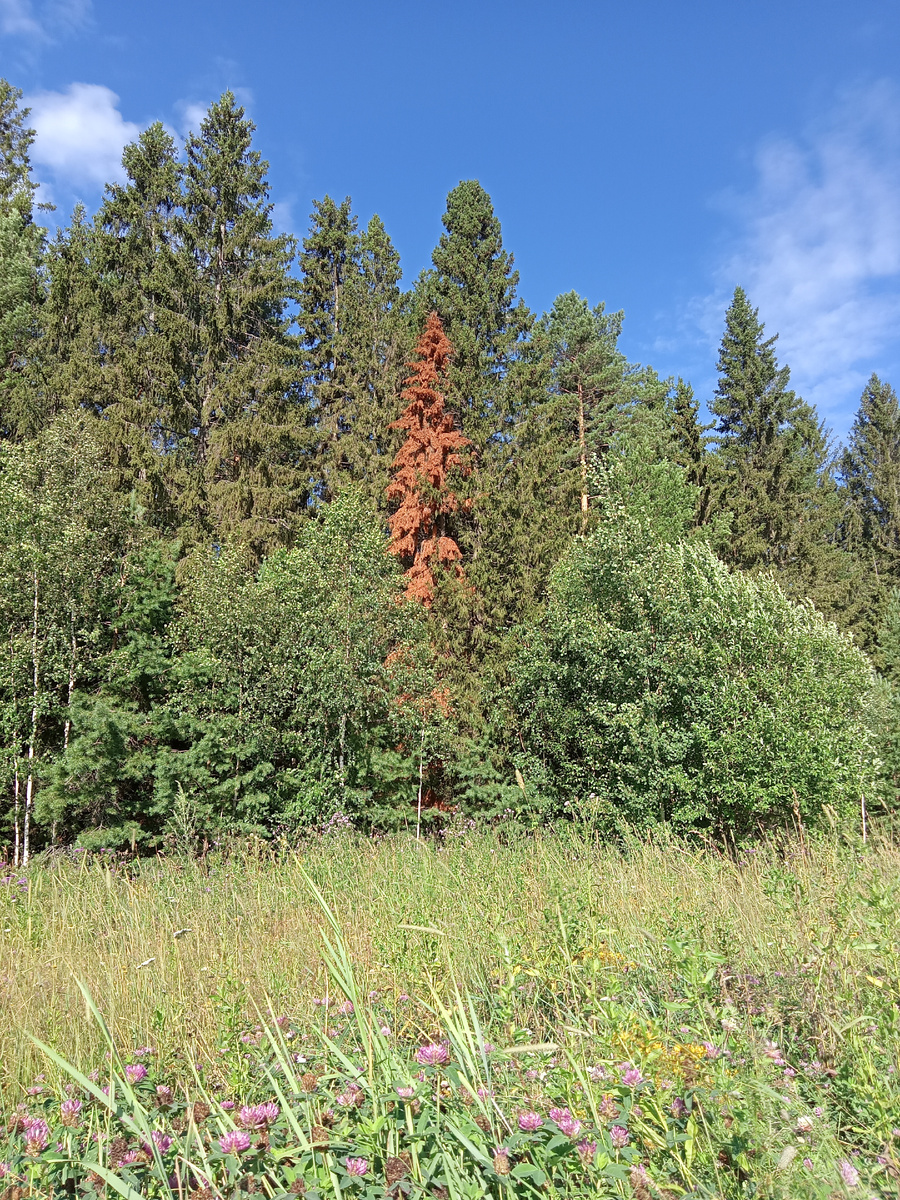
330,258
21,285
870,475
772,452
691,448
420,485
375,341
244,430
473,289
108,323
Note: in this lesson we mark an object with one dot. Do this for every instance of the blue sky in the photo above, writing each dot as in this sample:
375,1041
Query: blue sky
648,154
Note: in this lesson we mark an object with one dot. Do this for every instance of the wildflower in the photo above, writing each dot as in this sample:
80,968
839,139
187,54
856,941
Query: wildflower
607,1108
68,1112
163,1095
529,1121
228,1105
346,1008
258,1116
501,1160
135,1072
161,1141
37,1137
433,1055
357,1166
849,1174
637,1112
804,1124
808,1163
235,1141
630,1076
385,1031
586,1152
406,1093
678,1108
352,1094
489,1047
640,1182
597,1073
619,1137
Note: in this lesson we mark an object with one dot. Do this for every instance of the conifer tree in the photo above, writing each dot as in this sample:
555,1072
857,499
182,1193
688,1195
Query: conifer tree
870,475
330,258
244,421
587,374
772,451
21,287
691,447
109,322
473,289
420,485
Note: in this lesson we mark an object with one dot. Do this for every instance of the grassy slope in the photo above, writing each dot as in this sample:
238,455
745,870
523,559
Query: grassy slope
786,963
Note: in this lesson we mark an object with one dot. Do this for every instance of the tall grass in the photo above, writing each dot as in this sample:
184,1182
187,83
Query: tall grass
779,965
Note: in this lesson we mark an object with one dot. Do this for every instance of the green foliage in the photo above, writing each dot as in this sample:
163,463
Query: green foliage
662,687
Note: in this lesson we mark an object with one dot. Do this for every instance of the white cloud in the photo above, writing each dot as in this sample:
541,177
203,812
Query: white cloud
44,22
818,249
80,134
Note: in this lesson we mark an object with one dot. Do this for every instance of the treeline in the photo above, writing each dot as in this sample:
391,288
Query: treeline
282,540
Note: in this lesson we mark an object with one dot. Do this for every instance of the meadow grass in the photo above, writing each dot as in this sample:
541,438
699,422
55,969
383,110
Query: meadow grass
754,994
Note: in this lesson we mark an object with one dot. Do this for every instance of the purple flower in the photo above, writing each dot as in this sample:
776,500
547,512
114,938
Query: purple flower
163,1094
346,1008
586,1151
808,1163
68,1112
357,1166
228,1105
597,1073
37,1137
630,1076
135,1072
406,1093
529,1121
678,1108
235,1141
849,1173
258,1116
352,1094
619,1137
433,1055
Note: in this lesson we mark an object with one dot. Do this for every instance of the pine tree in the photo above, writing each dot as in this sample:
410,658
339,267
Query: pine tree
586,381
420,483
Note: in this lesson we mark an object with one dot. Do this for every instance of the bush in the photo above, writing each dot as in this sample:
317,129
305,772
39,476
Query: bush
661,687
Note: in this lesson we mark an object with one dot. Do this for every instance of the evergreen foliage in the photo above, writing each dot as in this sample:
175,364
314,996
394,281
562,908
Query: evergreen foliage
218,457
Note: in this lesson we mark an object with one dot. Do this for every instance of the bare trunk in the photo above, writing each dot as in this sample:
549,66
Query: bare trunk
421,774
32,740
68,722
18,849
582,453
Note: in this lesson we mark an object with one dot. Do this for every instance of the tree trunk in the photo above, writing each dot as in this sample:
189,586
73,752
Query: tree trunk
582,454
68,722
32,740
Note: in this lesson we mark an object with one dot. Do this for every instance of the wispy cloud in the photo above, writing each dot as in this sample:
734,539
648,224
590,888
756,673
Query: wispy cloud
43,21
80,135
817,248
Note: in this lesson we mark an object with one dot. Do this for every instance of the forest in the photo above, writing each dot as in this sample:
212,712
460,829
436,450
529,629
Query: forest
289,544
